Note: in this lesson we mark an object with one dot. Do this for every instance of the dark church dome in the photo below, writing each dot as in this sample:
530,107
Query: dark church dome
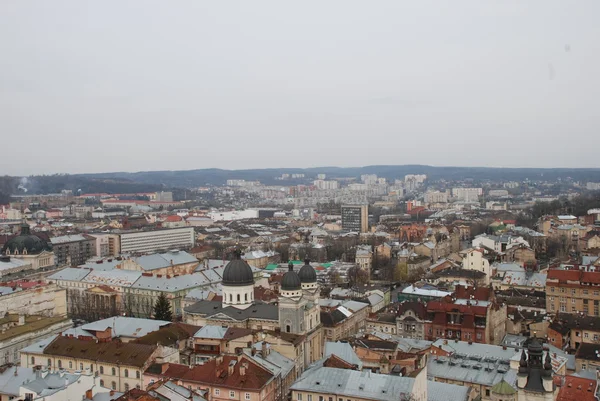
307,274
25,243
291,280
237,272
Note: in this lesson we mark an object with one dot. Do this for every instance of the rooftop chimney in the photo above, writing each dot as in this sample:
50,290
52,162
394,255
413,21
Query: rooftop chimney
21,320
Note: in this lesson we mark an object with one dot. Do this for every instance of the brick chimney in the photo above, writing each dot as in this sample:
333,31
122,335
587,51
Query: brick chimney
88,394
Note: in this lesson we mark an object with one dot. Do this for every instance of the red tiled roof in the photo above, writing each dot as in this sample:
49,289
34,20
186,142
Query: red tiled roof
577,388
479,293
564,275
590,277
173,219
418,307
335,362
217,373
437,306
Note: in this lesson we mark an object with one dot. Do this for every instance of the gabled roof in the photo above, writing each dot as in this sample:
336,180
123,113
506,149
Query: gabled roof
343,351
128,354
577,389
169,335
354,384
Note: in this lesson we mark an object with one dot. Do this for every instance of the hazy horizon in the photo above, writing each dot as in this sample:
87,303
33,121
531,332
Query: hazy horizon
92,87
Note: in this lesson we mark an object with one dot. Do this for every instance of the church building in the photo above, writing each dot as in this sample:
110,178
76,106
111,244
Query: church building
297,311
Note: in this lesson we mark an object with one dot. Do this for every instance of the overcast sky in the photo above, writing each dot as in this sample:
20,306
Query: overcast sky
96,86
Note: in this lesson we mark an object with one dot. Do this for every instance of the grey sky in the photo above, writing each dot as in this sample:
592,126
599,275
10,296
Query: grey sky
92,86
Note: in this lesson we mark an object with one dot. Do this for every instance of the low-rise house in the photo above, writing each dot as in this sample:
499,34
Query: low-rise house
587,357
236,377
58,385
526,300
33,298
119,366
479,366
470,314
411,320
364,257
573,291
342,319
165,390
459,275
211,341
344,351
577,388
569,331
322,383
10,265
19,331
176,335
513,276
126,329
421,293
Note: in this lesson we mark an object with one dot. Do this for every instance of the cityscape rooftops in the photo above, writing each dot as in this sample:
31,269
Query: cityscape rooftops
11,379
477,369
65,239
476,349
122,326
127,354
50,383
343,351
356,384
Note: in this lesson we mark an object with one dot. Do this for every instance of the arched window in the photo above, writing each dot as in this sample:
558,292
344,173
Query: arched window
70,364
59,364
101,370
126,373
113,385
81,367
49,362
288,328
137,374
33,360
230,298
114,371
101,382
238,297
246,297
126,386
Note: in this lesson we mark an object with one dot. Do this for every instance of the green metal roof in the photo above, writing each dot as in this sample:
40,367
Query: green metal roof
272,266
503,388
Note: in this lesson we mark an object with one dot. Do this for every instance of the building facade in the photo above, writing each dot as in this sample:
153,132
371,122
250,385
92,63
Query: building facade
73,250
355,218
157,240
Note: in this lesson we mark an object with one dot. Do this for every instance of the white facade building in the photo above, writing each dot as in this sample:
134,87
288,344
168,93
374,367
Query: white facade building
152,241
473,260
467,194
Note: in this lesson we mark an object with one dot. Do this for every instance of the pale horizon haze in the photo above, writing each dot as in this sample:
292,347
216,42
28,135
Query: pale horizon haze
100,86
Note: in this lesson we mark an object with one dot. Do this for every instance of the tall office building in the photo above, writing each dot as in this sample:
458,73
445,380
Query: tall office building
355,218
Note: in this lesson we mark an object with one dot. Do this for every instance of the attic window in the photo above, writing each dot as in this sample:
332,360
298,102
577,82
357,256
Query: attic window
318,383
